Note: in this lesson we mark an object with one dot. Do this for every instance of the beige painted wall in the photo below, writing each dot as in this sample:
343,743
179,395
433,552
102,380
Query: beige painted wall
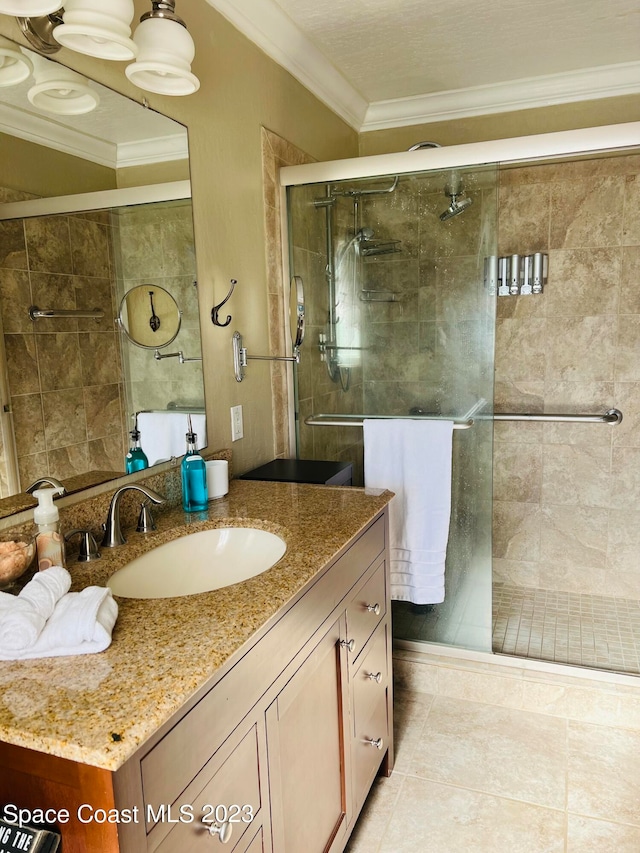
504,125
242,89
42,171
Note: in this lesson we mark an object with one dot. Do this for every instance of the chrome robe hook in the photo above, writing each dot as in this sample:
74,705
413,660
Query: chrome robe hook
216,308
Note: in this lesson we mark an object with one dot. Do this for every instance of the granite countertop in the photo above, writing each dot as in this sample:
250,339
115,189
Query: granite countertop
98,709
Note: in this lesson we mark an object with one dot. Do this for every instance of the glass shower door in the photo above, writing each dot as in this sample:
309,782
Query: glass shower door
401,322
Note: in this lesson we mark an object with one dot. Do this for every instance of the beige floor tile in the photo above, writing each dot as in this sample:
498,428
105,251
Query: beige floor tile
500,751
410,711
375,815
443,819
604,773
585,835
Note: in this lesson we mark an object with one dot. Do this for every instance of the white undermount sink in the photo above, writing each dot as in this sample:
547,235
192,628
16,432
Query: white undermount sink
199,562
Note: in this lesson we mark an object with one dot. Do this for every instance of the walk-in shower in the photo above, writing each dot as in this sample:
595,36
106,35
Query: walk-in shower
546,495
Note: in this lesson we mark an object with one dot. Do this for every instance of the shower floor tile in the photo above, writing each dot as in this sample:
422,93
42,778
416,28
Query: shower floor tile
570,628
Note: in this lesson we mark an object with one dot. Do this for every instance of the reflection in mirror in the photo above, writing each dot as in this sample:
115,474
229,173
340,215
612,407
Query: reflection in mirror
296,312
149,316
69,386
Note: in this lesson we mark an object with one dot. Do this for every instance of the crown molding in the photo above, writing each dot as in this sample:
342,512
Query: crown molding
42,131
265,24
588,84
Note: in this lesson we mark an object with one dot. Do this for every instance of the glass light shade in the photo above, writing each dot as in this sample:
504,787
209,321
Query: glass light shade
96,28
29,8
60,90
165,53
14,65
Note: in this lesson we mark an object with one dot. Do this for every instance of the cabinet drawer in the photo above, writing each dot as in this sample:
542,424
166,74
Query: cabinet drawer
256,845
367,610
367,757
371,678
233,792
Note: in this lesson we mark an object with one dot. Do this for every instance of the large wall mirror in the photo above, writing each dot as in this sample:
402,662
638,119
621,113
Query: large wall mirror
95,223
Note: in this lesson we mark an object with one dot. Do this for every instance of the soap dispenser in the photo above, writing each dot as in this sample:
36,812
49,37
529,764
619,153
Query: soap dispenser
194,475
136,458
49,541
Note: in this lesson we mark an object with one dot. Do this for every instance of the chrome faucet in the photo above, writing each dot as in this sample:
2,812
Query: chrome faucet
112,530
51,481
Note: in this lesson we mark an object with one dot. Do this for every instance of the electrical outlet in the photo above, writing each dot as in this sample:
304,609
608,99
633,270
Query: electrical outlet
237,428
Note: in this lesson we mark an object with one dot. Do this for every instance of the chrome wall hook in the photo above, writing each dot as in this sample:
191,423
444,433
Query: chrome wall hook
216,308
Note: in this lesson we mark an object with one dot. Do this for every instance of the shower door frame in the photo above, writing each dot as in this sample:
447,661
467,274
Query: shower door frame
500,152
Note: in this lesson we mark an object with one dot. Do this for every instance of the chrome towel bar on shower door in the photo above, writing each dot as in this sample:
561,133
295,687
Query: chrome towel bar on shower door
613,417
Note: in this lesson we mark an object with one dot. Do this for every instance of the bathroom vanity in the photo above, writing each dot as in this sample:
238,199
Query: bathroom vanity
254,717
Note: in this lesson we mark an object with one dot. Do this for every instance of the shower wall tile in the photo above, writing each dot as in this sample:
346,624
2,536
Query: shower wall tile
519,396
576,475
574,536
627,364
585,833
22,363
64,418
631,214
103,411
32,466
625,471
627,399
523,222
585,282
48,244
517,472
70,461
13,249
52,290
516,530
580,348
587,213
630,276
28,424
59,361
15,300
89,247
520,350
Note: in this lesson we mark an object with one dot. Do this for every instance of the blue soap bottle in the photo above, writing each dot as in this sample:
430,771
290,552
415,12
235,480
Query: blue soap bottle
136,458
194,476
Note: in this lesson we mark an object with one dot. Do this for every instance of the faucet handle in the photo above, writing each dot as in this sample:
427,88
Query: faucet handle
88,546
145,519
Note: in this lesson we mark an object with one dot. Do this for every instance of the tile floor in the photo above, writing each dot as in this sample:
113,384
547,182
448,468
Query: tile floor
472,777
572,628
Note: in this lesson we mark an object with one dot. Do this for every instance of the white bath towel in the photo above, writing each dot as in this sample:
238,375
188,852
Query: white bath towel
413,459
23,617
81,623
163,434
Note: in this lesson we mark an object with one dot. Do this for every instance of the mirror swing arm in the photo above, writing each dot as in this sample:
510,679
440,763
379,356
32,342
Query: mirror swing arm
179,355
240,356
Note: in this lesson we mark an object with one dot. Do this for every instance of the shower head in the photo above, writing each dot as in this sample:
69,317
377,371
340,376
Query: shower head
457,206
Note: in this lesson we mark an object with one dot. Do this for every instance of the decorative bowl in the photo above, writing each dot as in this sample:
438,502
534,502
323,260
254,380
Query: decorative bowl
17,553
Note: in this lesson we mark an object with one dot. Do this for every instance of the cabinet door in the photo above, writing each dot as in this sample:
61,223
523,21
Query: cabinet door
307,733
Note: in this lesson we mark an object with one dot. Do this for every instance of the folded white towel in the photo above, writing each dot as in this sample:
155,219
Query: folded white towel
23,617
413,459
81,624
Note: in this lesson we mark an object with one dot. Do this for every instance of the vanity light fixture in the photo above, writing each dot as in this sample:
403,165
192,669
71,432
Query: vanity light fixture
14,65
161,45
60,91
98,29
165,53
28,7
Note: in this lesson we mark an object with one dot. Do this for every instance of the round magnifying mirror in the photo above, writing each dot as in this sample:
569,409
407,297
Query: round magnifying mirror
149,316
296,312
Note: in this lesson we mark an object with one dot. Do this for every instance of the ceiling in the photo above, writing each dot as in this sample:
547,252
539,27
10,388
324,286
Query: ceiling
385,63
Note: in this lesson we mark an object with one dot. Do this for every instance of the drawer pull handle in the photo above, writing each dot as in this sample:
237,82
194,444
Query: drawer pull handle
224,831
374,608
348,644
377,742
375,676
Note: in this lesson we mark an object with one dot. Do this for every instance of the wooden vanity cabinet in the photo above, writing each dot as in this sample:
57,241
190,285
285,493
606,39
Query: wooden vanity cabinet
292,733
